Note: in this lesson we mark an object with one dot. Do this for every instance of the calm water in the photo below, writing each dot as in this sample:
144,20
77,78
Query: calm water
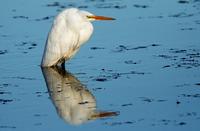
139,72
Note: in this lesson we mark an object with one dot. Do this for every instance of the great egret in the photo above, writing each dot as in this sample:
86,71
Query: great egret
71,29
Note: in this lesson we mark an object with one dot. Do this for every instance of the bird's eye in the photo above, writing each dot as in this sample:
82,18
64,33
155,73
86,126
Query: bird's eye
89,17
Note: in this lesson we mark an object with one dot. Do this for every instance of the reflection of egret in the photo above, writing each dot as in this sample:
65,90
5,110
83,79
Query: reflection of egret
71,28
73,102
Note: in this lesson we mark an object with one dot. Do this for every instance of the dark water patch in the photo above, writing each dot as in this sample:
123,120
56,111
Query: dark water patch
156,17
25,46
140,6
183,2
120,6
178,102
44,18
151,17
146,99
110,6
7,127
1,26
140,17
161,100
139,47
182,58
166,66
71,5
61,6
40,115
37,115
182,85
122,48
154,45
198,84
4,92
14,10
90,57
167,122
197,22
107,75
21,78
95,1
128,104
33,44
20,17
196,0
132,62
134,73
98,88
4,35
196,4
38,124
22,44
82,6
4,85
3,52
168,57
54,4
188,114
182,123
80,73
96,48
191,95
189,28
24,52
177,50
119,123
5,101
101,79
40,94
181,15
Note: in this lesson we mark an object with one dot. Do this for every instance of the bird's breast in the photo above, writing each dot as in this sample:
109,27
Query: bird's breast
85,33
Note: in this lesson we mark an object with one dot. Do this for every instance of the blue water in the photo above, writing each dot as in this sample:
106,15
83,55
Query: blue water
144,66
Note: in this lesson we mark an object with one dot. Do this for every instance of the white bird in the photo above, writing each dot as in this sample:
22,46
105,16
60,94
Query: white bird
71,29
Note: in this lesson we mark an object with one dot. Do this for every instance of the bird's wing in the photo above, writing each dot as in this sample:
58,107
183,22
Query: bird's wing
62,42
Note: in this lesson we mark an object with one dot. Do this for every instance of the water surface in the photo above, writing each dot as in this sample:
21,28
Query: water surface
138,72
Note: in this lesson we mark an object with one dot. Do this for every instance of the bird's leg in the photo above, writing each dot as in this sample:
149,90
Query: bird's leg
63,65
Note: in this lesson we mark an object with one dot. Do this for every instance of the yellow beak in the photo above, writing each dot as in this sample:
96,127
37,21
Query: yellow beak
100,17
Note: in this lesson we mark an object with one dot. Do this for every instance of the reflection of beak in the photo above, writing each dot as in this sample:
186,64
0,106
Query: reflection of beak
100,17
104,114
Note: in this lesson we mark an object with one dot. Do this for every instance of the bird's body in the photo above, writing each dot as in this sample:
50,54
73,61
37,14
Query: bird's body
71,29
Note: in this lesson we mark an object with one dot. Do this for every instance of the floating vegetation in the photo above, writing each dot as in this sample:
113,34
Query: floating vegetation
182,58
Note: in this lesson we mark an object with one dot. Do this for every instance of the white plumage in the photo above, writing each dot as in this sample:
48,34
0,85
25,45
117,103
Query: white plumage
71,28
